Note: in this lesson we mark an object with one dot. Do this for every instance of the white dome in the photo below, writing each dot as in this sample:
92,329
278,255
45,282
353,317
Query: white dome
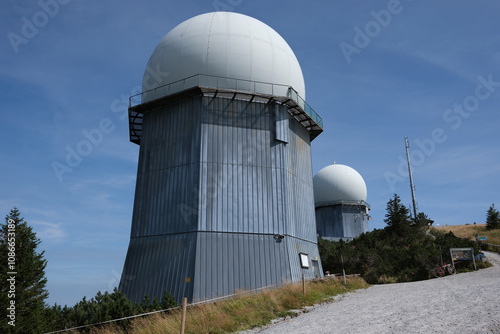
224,44
336,183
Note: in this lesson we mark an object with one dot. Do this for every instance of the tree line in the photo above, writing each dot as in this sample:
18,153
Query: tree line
25,300
407,249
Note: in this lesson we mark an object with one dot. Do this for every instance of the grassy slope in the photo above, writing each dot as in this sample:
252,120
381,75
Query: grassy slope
243,311
469,231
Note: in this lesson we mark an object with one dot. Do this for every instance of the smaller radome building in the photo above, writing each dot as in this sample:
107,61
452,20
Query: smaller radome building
340,201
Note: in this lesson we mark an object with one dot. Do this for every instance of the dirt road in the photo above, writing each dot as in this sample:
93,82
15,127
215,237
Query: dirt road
463,303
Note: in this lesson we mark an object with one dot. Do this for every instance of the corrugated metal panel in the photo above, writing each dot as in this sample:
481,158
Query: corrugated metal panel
354,221
154,264
297,246
329,222
166,198
299,183
282,126
213,165
254,184
341,221
228,262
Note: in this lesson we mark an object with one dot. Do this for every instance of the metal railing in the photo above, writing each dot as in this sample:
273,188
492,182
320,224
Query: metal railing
227,84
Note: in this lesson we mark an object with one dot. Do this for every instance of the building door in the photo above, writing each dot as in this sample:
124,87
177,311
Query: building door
316,268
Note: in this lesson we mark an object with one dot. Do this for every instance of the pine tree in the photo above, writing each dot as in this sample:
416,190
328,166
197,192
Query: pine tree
397,217
122,307
144,304
168,301
155,305
423,221
24,266
492,218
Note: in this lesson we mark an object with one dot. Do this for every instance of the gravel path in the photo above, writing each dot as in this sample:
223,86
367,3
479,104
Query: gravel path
463,303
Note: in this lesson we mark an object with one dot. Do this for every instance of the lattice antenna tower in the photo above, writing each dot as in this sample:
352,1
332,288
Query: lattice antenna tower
407,145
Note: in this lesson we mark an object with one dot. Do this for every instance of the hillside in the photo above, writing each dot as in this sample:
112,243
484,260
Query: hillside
469,231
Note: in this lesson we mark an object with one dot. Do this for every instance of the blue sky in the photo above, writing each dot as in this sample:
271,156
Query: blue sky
429,71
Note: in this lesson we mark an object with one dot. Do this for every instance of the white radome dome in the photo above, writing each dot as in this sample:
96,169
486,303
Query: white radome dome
336,183
224,44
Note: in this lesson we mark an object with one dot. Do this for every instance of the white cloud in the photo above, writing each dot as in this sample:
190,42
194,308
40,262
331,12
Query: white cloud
48,231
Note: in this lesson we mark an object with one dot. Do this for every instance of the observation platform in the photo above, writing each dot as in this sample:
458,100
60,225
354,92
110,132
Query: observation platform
346,203
207,85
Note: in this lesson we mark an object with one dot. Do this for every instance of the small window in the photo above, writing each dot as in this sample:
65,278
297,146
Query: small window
304,260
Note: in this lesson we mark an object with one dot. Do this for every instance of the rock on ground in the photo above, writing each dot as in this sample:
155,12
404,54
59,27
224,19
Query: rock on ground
462,303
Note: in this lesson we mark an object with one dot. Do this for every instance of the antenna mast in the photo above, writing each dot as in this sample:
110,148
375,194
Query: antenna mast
411,180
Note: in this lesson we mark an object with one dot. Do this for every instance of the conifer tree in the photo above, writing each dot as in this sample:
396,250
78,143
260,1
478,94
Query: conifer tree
144,304
122,307
492,218
397,217
423,220
155,305
167,300
23,267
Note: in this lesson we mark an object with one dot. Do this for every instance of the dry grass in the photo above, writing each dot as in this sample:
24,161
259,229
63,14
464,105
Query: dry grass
469,231
242,312
384,279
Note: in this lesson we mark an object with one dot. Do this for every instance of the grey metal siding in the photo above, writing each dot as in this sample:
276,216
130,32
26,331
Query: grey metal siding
354,221
341,221
156,263
228,262
329,221
166,198
254,183
297,246
214,187
282,127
